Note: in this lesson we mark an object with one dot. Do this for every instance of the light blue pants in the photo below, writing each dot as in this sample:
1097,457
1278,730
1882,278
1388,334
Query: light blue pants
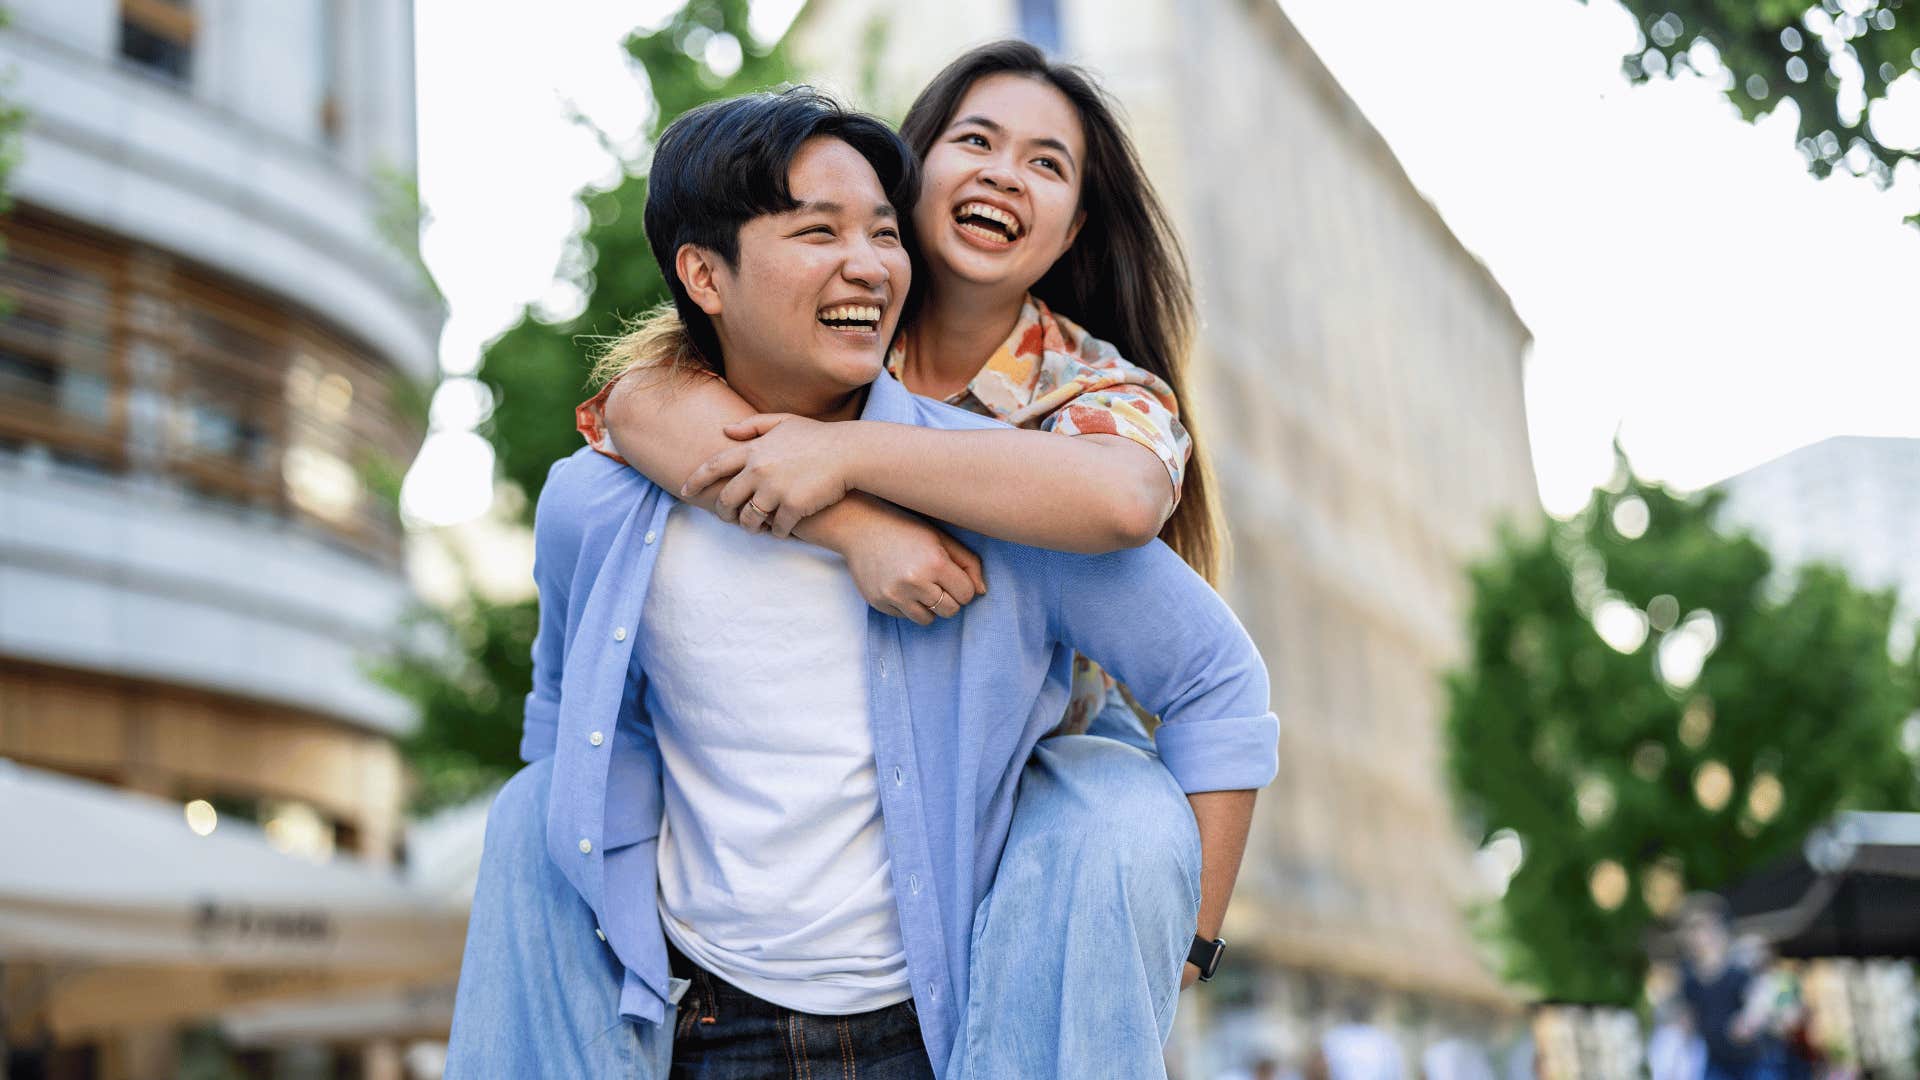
1076,955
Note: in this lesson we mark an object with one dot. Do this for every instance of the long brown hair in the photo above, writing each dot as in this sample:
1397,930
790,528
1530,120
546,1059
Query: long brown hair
1125,278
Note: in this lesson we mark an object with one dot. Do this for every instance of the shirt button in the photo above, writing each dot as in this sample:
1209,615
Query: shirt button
586,846
883,669
599,933
898,779
619,633
913,882
933,993
650,535
596,738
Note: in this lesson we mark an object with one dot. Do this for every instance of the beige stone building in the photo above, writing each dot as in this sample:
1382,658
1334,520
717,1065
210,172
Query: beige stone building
1358,385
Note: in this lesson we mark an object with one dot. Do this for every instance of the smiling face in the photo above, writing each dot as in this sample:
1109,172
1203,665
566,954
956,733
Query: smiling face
1000,186
805,314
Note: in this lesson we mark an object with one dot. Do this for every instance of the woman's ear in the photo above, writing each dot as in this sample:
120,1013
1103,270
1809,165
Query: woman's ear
698,268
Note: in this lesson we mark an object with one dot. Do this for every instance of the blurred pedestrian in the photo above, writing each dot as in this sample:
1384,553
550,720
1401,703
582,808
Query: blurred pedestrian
1675,1050
1357,1049
1456,1057
1773,1013
1716,988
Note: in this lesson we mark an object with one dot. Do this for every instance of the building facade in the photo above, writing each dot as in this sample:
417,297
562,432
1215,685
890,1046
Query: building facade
211,337
1357,385
1852,501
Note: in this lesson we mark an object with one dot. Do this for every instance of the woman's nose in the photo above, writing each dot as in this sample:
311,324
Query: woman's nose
1000,180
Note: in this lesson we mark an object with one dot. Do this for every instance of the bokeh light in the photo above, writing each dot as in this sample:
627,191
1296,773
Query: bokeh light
1696,722
201,817
1608,883
1593,801
1631,517
1662,886
1713,786
1620,624
1765,796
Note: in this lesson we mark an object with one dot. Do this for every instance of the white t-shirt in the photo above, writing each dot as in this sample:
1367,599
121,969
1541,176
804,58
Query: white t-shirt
772,858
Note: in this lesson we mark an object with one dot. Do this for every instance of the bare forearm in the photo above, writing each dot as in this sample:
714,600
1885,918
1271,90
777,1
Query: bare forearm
1224,818
666,422
1086,493
839,526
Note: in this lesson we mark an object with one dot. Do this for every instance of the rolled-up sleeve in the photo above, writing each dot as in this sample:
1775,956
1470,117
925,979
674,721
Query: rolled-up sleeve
1132,412
1093,390
1157,626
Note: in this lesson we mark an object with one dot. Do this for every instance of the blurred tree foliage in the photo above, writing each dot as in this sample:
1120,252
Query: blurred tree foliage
470,702
12,119
1631,774
1833,60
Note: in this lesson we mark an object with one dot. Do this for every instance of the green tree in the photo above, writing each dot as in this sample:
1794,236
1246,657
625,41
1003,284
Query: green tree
1630,772
12,119
469,681
1832,60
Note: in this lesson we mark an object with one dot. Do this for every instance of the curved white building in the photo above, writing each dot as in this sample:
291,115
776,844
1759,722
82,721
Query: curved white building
207,336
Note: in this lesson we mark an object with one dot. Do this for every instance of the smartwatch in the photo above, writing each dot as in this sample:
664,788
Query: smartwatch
1206,955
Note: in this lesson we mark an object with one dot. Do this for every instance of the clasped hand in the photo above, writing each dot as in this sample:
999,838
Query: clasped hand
783,470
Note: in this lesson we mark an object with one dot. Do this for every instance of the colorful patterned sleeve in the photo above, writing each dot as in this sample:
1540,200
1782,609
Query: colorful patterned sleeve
590,418
1093,390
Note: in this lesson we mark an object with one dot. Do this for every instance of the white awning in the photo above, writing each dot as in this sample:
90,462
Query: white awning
95,875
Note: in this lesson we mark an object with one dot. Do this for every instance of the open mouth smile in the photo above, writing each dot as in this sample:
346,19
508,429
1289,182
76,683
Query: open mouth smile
988,224
856,319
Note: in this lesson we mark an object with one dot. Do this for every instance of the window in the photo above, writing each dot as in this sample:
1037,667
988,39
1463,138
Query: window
158,35
122,358
60,374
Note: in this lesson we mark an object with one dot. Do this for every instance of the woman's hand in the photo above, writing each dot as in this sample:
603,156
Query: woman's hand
904,566
785,469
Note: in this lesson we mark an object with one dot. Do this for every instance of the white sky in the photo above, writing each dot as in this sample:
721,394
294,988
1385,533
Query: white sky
1687,282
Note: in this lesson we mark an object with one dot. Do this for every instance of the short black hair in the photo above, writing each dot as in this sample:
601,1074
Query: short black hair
725,163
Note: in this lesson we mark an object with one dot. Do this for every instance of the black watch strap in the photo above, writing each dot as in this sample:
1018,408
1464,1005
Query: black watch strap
1206,955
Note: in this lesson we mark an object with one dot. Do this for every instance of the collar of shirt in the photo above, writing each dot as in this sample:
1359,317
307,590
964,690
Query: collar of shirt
1005,384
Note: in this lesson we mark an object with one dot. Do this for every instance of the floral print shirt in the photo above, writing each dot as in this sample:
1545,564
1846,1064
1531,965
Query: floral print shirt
1054,376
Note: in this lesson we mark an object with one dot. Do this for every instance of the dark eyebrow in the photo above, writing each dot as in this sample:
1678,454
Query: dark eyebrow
828,206
1047,141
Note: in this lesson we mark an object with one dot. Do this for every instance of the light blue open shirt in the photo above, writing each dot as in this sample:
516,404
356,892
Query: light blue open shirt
956,708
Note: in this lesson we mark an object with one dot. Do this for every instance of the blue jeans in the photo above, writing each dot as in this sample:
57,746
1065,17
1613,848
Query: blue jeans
1076,955
726,1033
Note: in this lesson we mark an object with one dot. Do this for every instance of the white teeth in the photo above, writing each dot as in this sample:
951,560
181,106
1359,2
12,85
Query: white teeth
852,313
991,213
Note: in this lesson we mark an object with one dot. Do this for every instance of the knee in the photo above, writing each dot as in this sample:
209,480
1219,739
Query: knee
1114,808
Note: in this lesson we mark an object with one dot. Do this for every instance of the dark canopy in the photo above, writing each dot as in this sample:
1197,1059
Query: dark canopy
1852,890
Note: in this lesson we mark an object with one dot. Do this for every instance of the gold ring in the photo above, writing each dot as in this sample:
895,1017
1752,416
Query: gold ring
756,507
